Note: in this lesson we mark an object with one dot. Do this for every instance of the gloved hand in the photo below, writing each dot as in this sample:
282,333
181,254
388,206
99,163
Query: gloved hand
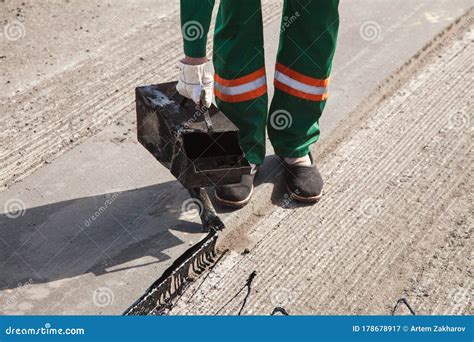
196,82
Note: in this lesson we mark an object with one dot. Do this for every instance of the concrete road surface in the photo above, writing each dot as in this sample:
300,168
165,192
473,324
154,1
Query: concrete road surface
90,219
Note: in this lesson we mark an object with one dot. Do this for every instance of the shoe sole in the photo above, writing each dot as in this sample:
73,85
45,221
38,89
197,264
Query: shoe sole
298,198
234,204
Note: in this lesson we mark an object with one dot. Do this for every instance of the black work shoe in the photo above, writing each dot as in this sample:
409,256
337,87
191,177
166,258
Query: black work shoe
304,183
239,194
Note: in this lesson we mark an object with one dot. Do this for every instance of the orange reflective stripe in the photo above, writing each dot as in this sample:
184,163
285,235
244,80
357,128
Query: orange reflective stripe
242,97
298,93
302,78
241,89
241,80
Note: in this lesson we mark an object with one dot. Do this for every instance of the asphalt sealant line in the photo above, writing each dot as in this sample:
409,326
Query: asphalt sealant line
400,302
207,275
159,296
248,286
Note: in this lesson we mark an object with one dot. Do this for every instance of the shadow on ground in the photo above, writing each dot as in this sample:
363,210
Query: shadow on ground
104,233
92,234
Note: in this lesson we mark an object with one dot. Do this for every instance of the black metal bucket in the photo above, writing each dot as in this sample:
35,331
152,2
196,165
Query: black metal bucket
199,146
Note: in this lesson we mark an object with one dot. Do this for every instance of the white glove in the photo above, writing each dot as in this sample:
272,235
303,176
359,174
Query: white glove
196,82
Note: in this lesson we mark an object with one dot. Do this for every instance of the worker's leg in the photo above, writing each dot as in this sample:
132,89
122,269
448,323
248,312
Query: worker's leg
307,43
240,81
240,86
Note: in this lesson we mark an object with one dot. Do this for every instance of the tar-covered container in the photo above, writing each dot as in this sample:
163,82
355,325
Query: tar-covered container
200,146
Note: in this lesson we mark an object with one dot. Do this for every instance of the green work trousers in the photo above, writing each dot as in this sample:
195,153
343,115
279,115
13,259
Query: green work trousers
307,41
